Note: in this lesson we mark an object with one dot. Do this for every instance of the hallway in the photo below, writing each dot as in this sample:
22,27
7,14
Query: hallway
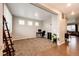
70,49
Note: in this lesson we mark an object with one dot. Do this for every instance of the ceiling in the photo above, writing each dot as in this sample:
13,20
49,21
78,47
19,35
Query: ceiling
31,11
28,10
65,9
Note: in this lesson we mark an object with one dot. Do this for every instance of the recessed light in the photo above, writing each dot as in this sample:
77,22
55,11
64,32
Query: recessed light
72,13
36,14
68,5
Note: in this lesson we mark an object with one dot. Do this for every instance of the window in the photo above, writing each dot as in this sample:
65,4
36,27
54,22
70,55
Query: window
71,28
21,22
36,24
30,23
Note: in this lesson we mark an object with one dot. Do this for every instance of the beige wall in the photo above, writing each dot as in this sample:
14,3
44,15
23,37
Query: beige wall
24,31
1,40
62,30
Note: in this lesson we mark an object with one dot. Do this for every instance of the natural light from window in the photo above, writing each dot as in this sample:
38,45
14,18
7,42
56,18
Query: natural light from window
71,27
21,22
36,24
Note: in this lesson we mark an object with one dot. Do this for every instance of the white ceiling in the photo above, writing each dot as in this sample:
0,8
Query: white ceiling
63,8
28,10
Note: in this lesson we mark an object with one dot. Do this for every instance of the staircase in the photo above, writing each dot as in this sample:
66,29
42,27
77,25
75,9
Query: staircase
8,44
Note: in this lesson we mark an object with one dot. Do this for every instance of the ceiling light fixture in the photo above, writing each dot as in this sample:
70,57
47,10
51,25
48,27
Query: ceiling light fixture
72,13
68,5
36,14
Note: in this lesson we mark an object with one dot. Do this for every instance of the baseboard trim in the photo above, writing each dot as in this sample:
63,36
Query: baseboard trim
23,39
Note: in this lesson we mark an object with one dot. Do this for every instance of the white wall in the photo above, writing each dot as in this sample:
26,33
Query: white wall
1,29
24,31
55,24
47,24
8,17
51,24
